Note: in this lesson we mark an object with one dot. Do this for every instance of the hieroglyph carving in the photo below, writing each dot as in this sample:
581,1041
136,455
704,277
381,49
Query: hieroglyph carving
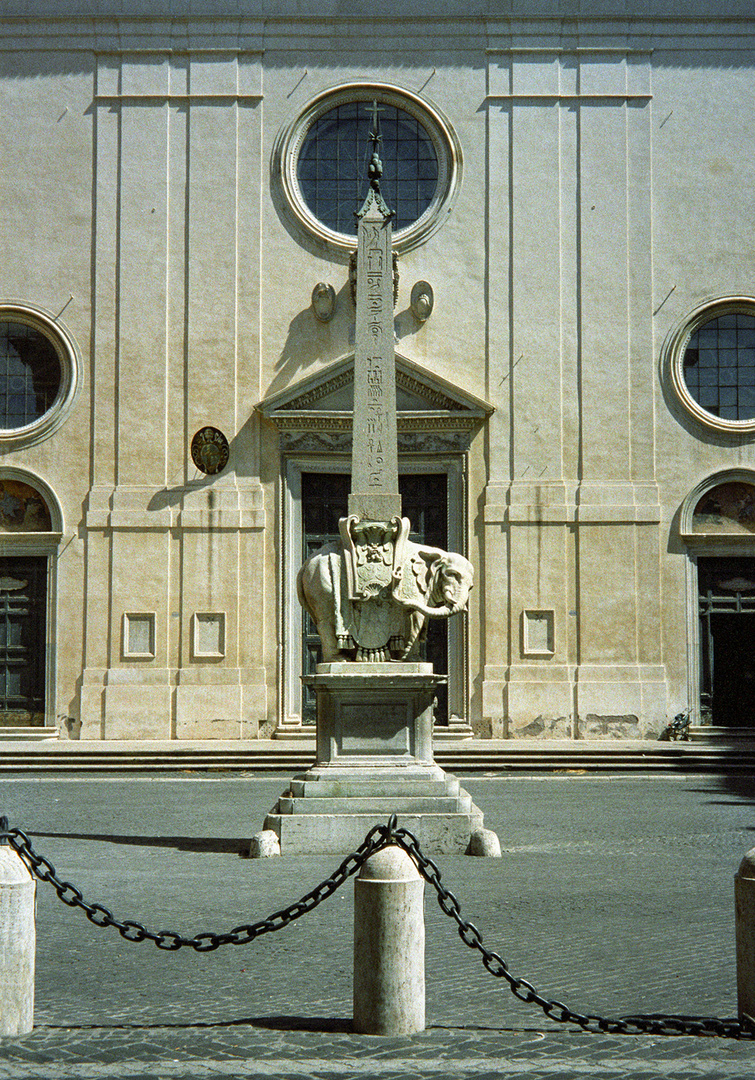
376,419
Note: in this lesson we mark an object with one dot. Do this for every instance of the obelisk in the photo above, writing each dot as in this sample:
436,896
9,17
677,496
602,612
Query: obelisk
374,456
369,597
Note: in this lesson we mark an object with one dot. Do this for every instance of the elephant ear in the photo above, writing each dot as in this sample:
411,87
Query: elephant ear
421,572
430,570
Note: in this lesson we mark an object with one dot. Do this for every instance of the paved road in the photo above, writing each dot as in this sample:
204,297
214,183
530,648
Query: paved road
614,895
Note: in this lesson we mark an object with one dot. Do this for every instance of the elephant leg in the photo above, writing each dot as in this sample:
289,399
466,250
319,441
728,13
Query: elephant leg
415,623
329,642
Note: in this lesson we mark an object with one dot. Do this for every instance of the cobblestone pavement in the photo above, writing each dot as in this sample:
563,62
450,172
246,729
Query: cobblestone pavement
614,895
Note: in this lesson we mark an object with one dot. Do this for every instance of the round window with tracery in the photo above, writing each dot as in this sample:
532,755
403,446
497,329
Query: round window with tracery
323,157
719,366
30,375
712,360
38,374
332,165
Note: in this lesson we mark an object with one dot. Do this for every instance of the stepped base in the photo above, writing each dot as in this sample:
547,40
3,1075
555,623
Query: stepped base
340,833
374,759
331,808
28,732
453,731
708,733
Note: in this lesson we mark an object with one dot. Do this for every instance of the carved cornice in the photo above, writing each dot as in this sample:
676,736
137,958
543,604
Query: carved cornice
433,397
448,441
312,422
406,422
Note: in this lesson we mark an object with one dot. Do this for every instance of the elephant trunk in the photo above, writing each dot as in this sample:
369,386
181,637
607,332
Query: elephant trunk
442,612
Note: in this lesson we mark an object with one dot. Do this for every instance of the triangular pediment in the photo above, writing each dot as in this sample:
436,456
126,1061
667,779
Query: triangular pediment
433,414
331,390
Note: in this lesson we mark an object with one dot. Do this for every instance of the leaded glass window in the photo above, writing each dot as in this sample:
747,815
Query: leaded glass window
332,165
719,366
30,374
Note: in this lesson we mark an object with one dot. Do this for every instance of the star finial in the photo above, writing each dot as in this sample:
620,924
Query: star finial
375,169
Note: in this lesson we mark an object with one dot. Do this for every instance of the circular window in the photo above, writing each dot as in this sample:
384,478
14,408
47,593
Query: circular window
712,357
37,375
332,165
323,159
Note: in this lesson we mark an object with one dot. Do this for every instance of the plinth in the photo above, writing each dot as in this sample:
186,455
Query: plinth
374,758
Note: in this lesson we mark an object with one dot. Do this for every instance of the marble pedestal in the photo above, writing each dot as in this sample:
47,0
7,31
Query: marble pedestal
374,758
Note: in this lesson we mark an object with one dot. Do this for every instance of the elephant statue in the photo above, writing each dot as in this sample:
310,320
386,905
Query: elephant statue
429,583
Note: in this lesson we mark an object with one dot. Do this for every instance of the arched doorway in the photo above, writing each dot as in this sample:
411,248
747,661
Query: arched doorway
30,528
719,522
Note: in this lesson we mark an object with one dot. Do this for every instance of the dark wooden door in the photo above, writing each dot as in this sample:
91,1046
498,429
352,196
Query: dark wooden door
727,641
23,606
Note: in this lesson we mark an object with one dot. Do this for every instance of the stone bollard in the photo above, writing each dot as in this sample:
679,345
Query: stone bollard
744,899
17,944
389,946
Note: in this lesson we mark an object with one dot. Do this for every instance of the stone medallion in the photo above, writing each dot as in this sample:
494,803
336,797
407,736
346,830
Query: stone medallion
209,450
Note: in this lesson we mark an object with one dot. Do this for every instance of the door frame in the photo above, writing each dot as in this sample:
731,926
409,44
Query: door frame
46,545
47,549
699,545
289,546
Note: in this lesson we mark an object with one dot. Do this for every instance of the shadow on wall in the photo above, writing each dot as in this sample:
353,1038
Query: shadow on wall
311,342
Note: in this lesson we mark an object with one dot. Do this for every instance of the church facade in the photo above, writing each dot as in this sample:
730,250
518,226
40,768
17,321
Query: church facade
574,194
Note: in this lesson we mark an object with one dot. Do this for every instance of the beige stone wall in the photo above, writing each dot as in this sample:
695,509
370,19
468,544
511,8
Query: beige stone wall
606,191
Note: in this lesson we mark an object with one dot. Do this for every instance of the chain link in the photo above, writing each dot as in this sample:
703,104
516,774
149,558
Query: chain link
169,940
526,992
377,838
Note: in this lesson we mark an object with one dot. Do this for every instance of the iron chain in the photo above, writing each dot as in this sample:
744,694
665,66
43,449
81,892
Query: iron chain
526,992
378,837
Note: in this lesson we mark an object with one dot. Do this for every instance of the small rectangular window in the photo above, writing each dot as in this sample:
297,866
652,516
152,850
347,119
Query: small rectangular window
139,635
209,633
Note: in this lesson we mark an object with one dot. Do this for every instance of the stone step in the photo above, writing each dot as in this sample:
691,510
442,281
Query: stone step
309,834
382,806
20,757
28,732
336,789
719,736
